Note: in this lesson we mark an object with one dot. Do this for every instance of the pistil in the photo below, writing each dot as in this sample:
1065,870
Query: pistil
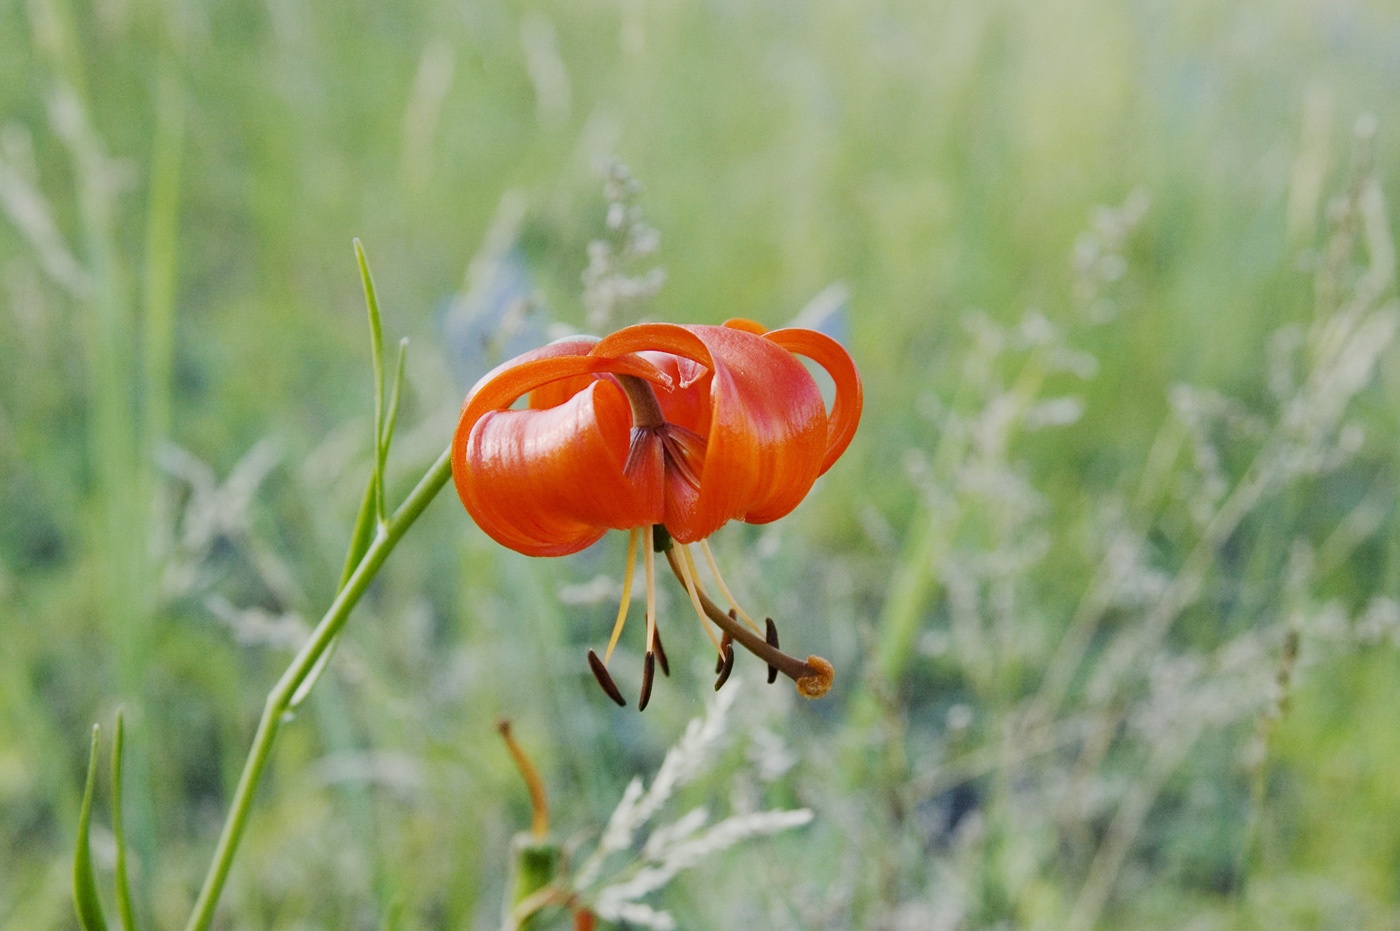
649,560
813,677
646,410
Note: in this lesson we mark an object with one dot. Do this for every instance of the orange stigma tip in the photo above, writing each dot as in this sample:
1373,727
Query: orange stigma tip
819,682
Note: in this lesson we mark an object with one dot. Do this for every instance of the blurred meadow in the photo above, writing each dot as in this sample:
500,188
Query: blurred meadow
1108,576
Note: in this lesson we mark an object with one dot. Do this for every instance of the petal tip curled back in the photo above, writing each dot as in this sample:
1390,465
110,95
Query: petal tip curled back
551,479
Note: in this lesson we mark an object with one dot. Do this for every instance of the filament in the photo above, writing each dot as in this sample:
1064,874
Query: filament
689,558
687,567
728,595
626,593
649,561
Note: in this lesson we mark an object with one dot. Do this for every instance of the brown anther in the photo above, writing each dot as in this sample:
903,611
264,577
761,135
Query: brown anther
605,679
726,665
772,639
661,655
819,682
648,674
724,643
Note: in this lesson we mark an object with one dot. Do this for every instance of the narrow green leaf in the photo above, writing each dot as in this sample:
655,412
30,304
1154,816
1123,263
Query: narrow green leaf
376,342
85,898
361,536
124,909
162,242
393,415
313,675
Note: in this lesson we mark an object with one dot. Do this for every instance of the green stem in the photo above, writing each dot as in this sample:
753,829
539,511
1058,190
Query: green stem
279,699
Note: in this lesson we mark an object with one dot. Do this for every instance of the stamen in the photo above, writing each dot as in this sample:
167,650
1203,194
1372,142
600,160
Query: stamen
648,674
682,567
726,665
725,641
813,676
646,410
539,805
600,672
772,642
626,592
661,654
649,669
649,561
690,565
719,579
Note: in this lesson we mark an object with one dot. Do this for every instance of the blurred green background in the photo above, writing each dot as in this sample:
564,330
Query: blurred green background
1111,651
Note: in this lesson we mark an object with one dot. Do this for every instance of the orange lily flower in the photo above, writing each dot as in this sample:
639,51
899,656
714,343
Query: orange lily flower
657,427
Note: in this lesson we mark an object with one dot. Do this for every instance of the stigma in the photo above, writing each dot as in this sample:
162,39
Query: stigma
813,676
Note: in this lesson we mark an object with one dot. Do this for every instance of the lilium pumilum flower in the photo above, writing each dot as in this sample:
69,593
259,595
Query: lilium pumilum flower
667,432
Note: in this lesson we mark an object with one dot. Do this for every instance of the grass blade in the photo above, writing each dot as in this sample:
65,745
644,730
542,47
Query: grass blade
361,536
162,230
85,897
372,505
393,416
376,343
124,909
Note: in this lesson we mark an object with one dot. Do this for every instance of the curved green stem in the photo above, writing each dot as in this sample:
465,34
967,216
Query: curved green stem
279,700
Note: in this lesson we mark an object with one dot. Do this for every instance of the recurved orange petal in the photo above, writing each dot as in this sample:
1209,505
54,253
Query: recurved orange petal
767,433
572,346
766,436
550,482
687,406
850,396
554,363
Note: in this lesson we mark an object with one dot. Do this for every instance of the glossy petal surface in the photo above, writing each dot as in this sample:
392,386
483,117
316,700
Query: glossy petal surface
745,433
550,482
